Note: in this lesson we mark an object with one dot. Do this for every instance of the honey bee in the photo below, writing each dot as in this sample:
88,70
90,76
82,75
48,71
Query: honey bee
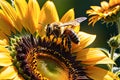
61,30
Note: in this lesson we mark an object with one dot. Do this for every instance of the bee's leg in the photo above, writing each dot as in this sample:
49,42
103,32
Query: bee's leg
48,36
63,37
48,31
55,36
69,75
68,42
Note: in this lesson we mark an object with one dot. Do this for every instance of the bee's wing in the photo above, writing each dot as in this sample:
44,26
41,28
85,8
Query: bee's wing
80,19
74,22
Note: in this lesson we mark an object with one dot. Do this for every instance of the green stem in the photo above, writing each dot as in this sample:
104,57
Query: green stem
112,56
118,25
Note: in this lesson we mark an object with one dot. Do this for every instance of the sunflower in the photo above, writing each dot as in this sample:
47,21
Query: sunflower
108,12
26,53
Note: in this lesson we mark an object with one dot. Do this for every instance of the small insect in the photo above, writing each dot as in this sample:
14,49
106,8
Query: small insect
61,30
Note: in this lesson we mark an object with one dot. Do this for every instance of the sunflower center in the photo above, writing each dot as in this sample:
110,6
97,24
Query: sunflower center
42,58
38,61
52,66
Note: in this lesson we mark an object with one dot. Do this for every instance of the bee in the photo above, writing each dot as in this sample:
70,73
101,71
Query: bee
61,30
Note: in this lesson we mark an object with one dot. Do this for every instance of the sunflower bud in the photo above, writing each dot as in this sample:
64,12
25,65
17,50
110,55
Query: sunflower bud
114,41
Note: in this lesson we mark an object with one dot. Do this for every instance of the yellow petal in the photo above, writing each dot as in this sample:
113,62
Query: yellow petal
76,29
68,16
5,59
104,5
5,25
92,12
100,74
113,2
94,19
48,15
105,60
85,40
4,42
3,49
96,8
3,39
89,11
8,73
18,77
93,56
10,13
21,8
32,15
